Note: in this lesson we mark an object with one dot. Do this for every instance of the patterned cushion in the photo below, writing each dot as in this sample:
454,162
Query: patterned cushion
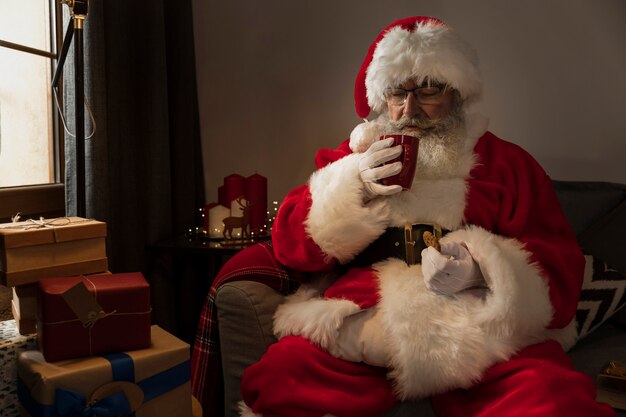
603,294
604,244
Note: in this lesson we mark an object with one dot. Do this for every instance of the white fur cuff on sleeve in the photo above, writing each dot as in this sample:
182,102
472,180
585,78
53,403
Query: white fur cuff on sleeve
312,317
339,221
519,299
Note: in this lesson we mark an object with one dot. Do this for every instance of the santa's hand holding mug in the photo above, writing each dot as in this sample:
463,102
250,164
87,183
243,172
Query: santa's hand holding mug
372,168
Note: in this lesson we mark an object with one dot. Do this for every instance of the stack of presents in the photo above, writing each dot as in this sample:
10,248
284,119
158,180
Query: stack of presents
82,343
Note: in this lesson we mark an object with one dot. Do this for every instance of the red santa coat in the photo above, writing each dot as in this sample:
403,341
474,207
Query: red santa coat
498,201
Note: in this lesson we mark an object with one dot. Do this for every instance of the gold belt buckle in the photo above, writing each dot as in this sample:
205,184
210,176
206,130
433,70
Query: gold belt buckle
410,240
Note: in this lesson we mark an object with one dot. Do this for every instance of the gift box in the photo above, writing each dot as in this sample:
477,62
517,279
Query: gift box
11,344
58,247
24,325
25,299
24,308
150,382
611,385
88,315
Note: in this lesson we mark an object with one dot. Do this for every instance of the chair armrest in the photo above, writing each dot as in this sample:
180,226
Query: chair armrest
244,316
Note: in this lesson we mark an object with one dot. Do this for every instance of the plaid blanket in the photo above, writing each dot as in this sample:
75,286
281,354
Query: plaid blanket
255,263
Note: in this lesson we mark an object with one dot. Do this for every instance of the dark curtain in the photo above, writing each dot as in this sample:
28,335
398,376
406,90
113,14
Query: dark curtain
143,164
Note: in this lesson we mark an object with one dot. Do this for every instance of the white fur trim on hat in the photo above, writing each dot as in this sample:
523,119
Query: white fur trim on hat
417,48
432,51
364,134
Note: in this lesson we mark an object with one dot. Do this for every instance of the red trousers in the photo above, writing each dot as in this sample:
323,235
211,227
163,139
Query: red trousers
296,378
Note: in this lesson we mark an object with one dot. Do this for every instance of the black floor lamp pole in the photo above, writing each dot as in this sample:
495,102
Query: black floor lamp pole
66,46
79,85
79,10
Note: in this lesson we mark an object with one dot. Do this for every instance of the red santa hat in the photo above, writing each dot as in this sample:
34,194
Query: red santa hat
416,47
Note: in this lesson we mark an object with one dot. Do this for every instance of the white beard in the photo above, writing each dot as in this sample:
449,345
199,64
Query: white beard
438,155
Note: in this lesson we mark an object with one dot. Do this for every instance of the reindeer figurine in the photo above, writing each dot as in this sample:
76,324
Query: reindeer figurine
242,222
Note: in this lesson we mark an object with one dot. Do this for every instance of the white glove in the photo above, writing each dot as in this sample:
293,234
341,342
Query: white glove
360,339
371,169
452,270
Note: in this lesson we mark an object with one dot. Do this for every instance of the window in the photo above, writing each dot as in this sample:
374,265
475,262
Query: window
30,160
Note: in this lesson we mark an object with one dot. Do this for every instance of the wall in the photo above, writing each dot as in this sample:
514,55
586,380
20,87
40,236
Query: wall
275,80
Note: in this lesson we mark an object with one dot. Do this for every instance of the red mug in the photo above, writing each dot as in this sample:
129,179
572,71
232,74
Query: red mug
408,157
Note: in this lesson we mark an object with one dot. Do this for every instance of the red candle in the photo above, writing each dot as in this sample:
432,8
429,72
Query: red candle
234,187
256,194
221,195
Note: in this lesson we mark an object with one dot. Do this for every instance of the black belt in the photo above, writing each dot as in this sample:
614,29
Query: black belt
405,243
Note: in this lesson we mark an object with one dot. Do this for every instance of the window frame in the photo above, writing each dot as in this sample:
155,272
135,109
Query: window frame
46,200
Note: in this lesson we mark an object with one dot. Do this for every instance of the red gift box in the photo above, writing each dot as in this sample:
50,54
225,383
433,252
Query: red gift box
89,315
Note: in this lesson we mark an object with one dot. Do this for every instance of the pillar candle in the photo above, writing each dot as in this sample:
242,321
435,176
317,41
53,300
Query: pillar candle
205,220
234,187
217,214
256,193
237,208
221,195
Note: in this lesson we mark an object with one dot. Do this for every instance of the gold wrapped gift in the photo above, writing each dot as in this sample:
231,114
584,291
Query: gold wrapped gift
611,384
32,250
151,382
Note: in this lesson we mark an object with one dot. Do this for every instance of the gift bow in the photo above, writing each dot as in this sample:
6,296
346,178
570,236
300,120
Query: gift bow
42,223
74,404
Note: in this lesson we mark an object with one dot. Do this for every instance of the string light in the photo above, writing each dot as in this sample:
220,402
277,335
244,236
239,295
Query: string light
202,233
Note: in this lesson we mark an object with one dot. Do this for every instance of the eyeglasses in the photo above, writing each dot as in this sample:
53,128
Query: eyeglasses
424,94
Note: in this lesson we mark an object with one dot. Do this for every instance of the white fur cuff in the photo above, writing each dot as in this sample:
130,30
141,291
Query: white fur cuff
316,319
443,342
339,221
519,299
245,411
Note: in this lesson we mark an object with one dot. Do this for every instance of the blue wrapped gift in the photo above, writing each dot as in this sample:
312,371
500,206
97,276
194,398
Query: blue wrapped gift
151,382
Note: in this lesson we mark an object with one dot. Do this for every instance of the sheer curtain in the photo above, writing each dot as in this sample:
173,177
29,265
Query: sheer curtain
143,163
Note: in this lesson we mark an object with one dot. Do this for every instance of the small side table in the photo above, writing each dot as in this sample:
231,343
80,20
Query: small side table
180,271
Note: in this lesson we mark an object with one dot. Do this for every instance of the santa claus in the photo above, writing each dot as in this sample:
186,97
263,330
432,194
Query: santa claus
480,320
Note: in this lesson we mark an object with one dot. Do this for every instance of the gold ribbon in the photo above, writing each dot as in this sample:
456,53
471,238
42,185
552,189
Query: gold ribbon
40,223
93,317
616,368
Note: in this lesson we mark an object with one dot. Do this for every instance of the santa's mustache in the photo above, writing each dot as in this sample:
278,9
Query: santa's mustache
419,123
429,126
